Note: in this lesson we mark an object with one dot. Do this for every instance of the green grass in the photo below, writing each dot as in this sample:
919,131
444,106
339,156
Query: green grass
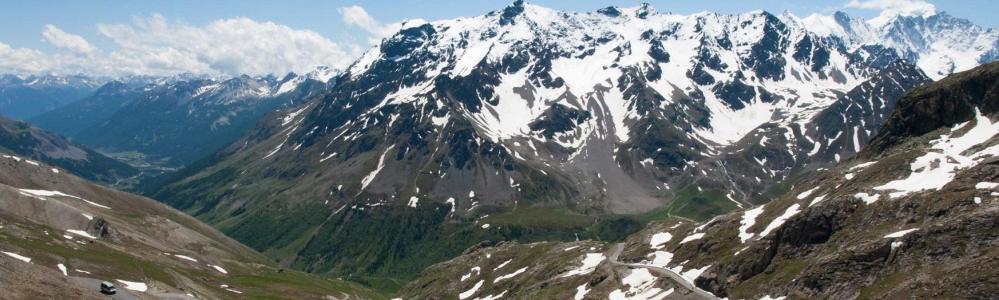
662,213
383,285
779,272
290,284
107,263
539,217
696,205
125,266
779,189
883,285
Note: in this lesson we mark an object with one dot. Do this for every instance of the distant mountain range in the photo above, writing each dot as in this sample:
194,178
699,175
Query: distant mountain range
174,121
23,97
939,43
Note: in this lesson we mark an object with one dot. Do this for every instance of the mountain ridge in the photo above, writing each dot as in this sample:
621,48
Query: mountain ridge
836,234
173,121
20,139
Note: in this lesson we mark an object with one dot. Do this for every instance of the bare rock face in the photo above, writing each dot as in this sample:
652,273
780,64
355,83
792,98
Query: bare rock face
101,228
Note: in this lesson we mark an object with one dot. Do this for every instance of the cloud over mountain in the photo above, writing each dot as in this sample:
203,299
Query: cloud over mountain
156,45
357,16
891,8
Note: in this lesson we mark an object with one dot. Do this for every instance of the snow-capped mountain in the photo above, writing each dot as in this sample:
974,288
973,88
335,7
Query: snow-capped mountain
621,110
622,102
180,118
939,43
912,216
23,97
322,74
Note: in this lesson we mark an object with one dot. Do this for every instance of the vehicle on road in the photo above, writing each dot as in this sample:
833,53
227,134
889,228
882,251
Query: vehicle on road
108,288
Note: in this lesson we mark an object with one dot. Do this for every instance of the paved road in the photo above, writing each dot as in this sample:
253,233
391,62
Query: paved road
125,294
698,293
122,294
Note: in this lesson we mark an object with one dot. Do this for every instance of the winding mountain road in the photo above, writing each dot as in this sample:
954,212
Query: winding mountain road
698,293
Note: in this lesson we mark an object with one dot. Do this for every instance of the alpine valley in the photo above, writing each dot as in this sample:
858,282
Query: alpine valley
530,153
169,122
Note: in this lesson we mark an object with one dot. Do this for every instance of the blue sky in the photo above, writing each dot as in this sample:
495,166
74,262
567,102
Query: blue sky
22,23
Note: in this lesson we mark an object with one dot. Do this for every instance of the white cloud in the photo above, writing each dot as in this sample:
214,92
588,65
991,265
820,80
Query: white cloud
158,46
55,36
22,60
228,46
892,8
355,15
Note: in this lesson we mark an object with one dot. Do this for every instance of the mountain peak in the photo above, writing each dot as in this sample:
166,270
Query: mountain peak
610,11
511,12
644,10
322,73
519,9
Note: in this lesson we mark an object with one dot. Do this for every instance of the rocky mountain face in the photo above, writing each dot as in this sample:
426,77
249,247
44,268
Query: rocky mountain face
33,145
60,236
912,216
175,121
449,126
23,97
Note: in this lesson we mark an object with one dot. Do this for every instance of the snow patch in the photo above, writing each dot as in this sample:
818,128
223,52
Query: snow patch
492,297
45,193
986,185
748,219
692,237
511,275
590,263
471,291
18,256
900,233
867,198
381,164
188,258
946,157
500,266
659,239
777,222
81,233
132,285
692,274
581,292
805,194
218,268
475,270
641,285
